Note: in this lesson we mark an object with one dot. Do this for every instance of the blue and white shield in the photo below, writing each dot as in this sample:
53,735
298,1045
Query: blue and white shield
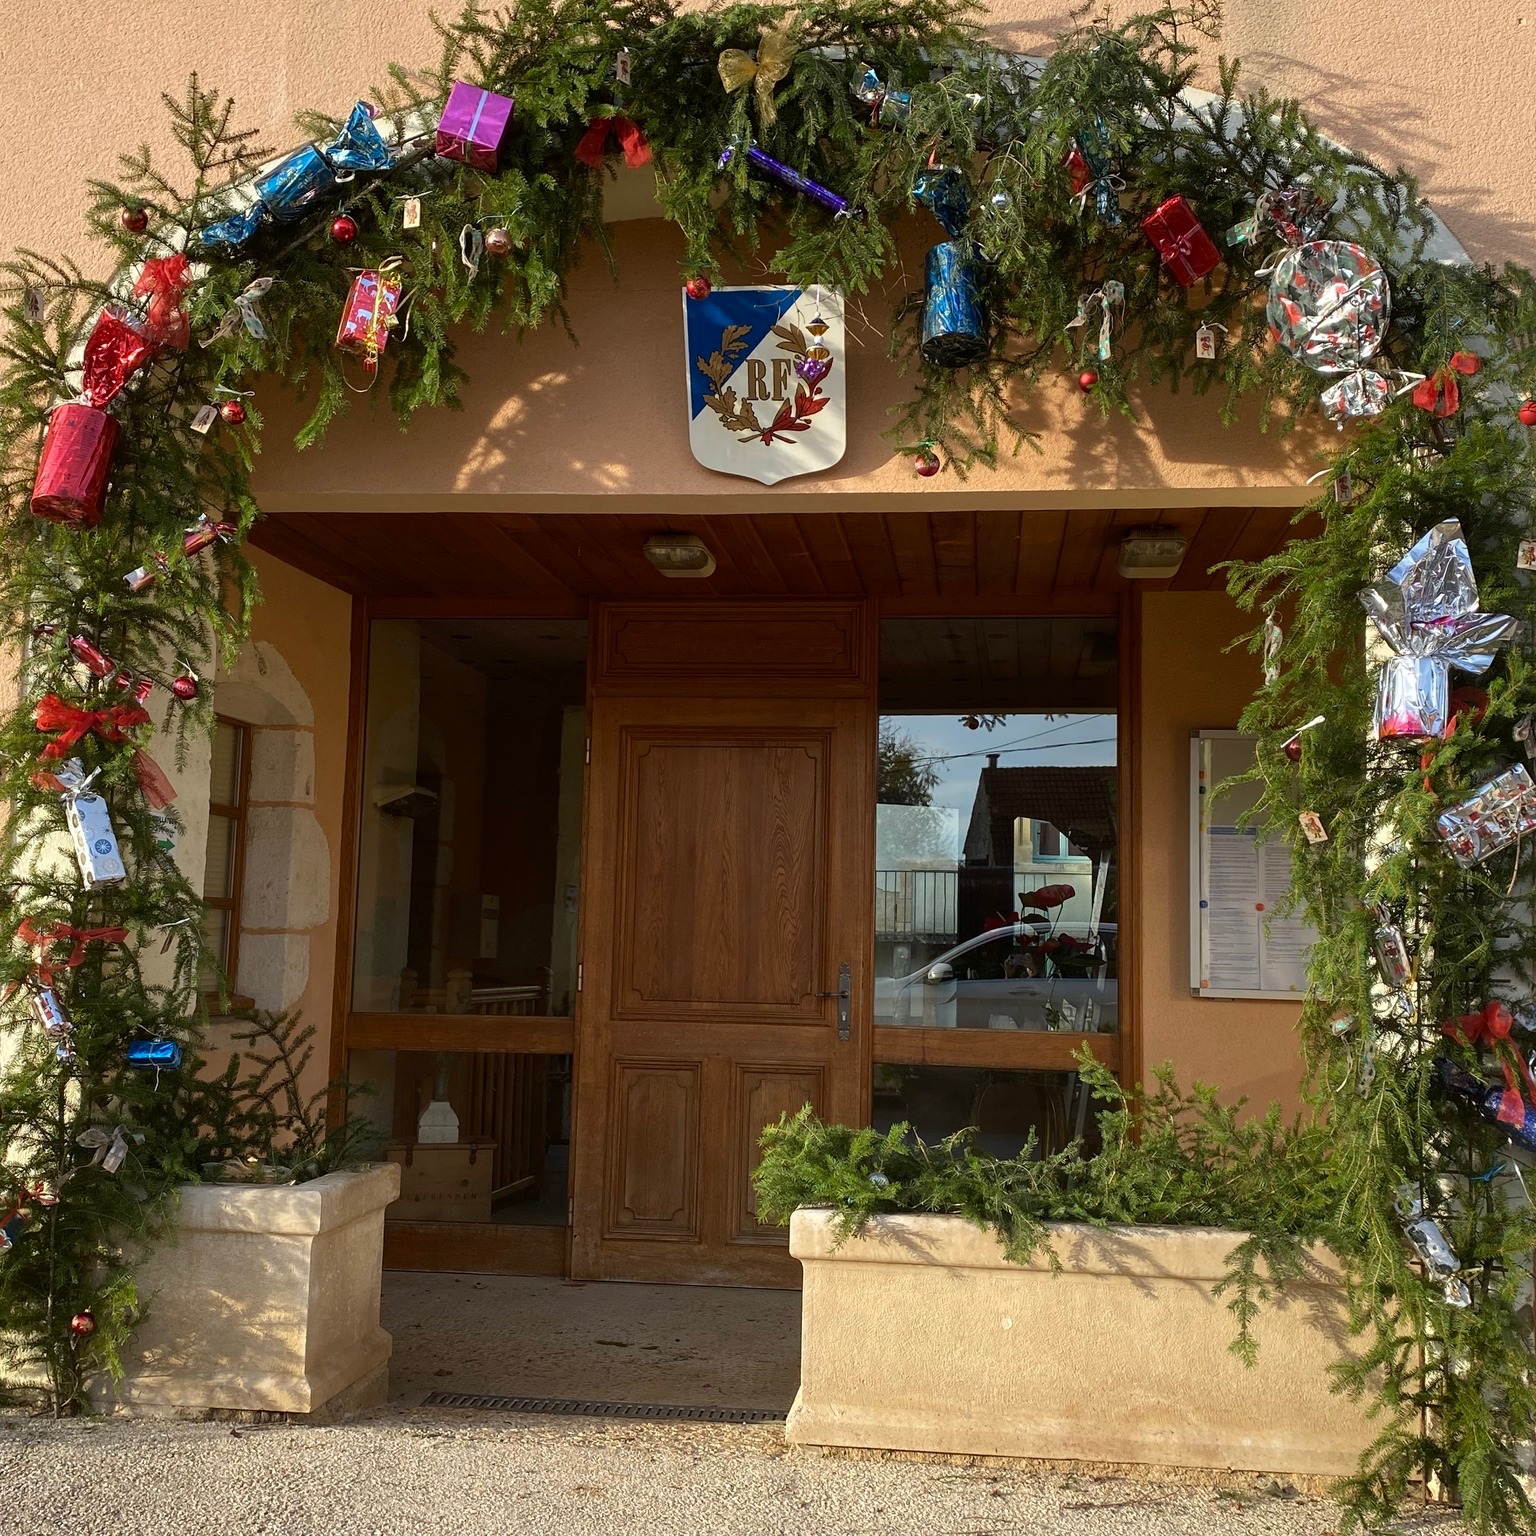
767,396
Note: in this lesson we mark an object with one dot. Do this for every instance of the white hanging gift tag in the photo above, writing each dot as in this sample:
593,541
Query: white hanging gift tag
412,214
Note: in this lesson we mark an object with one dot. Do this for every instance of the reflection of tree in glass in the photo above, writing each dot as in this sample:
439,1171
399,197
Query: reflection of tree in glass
904,775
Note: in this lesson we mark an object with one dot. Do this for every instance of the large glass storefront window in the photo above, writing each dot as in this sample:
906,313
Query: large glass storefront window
479,1136
470,818
996,898
996,902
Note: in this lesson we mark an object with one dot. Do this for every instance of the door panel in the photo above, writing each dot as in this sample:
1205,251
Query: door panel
726,881
654,1145
724,900
763,1093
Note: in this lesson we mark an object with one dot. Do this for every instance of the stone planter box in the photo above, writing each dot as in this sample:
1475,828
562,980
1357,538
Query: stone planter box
918,1335
266,1299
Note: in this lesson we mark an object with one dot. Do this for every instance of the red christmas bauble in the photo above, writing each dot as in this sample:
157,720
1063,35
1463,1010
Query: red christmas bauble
344,229
134,220
185,688
698,287
1087,379
926,464
1528,413
498,241
83,1324
123,680
233,412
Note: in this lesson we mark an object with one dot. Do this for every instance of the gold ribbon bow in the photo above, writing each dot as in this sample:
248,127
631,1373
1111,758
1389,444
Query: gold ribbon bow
775,57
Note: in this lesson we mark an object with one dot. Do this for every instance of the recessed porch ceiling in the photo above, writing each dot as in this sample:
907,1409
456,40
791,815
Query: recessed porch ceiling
562,559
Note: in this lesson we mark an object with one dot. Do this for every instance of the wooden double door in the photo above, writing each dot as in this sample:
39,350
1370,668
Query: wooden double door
726,935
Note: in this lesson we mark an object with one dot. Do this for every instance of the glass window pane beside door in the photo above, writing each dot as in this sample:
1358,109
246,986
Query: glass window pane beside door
465,945
470,829
996,901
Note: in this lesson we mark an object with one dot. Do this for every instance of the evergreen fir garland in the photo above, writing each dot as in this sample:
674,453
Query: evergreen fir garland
1455,1384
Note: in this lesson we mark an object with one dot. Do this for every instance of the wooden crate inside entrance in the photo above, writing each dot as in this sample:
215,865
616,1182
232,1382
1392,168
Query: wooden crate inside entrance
444,1181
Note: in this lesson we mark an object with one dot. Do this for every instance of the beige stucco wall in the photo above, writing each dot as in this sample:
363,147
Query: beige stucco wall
79,83
1189,682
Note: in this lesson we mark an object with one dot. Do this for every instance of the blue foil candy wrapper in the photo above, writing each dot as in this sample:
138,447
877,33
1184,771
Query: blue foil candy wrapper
1485,1099
954,321
292,190
360,146
943,192
159,1055
289,192
235,230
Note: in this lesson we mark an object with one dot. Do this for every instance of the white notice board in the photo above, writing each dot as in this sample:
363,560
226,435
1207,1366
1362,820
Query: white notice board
1237,946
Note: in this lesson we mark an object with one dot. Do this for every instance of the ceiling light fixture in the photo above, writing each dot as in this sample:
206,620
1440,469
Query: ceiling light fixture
1152,554
679,554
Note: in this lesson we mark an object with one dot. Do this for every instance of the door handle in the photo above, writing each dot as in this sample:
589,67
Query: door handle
844,996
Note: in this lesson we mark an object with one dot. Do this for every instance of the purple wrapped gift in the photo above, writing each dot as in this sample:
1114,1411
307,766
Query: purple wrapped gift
473,124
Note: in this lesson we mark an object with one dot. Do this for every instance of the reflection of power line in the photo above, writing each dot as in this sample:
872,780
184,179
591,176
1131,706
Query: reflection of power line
1055,730
1055,746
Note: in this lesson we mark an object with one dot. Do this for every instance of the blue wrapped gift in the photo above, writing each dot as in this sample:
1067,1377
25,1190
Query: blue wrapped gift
156,1055
954,321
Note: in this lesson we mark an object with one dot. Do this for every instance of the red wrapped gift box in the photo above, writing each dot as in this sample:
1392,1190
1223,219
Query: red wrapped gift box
473,124
1187,251
71,482
369,316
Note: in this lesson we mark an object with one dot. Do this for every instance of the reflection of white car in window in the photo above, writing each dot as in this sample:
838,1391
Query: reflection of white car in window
1019,976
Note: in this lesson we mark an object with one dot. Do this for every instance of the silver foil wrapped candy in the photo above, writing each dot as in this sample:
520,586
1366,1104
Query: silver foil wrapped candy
1492,818
1425,610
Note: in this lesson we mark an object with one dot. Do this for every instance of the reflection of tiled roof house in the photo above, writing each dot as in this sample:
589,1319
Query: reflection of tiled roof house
1078,802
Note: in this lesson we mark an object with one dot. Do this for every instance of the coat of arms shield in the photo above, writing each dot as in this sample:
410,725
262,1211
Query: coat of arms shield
767,372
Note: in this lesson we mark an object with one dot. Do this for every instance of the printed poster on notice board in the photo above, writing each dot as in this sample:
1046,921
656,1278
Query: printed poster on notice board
1240,944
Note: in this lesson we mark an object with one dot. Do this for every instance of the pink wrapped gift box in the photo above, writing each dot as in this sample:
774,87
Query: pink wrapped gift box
473,124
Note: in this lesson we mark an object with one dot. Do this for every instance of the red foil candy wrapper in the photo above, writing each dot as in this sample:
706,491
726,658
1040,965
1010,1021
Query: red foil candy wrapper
1187,251
369,316
92,657
164,281
71,481
114,351
205,535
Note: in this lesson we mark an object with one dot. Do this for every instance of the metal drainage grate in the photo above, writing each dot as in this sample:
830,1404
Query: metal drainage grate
588,1410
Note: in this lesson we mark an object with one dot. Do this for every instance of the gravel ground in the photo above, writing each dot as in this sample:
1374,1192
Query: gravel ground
400,1470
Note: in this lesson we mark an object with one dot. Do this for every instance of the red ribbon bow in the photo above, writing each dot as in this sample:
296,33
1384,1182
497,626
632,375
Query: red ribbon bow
164,280
1491,1029
111,724
45,938
1440,394
592,144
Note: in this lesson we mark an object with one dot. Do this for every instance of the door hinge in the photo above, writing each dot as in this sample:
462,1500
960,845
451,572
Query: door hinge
589,749
578,975
570,1211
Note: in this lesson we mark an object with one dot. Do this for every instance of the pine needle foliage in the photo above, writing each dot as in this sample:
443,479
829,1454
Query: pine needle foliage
1455,1384
1167,1158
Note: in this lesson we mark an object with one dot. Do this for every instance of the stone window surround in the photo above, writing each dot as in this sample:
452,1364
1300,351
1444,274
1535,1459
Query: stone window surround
285,890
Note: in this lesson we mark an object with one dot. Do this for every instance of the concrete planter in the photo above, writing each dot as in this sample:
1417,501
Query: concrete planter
267,1298
918,1335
